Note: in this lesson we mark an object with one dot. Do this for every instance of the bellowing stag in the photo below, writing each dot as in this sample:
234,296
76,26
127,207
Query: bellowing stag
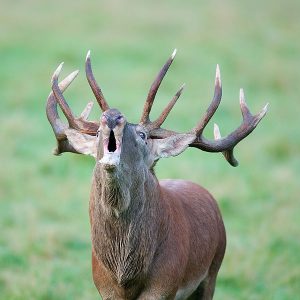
150,239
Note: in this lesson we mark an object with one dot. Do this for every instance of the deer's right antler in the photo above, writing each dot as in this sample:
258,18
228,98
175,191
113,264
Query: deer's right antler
59,127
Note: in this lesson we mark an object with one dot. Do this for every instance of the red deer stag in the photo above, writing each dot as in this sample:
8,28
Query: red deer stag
150,239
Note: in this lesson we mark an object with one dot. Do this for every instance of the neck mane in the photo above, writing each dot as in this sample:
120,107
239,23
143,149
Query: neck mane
124,235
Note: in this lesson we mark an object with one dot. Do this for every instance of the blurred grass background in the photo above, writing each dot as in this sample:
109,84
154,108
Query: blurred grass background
44,229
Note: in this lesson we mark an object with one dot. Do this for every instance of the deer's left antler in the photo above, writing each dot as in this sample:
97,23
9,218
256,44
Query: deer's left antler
224,145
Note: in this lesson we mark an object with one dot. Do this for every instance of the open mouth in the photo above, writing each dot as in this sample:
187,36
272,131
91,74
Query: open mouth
112,145
111,151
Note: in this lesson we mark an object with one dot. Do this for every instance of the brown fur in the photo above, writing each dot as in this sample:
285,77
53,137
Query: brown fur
150,239
155,248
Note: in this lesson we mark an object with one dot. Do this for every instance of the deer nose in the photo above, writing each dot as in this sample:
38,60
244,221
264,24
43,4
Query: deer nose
111,121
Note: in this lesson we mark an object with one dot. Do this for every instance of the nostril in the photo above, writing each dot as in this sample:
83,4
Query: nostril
103,120
112,142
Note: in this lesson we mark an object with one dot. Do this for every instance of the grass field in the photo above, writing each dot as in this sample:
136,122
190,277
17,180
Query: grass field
44,230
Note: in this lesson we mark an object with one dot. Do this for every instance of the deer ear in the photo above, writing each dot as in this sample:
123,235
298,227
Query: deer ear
172,145
83,143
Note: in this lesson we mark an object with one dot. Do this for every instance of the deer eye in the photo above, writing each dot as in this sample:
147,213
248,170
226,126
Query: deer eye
142,135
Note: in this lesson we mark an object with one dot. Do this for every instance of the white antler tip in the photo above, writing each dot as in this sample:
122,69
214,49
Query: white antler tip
88,55
174,53
241,92
217,133
264,110
67,81
73,74
90,104
57,72
218,75
218,70
266,107
59,68
242,96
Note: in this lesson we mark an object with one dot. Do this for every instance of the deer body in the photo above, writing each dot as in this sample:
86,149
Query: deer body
169,239
150,239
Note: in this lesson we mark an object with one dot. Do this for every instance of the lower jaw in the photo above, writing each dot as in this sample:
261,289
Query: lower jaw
110,161
109,168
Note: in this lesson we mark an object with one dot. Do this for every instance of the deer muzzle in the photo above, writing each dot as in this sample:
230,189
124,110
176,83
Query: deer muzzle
112,126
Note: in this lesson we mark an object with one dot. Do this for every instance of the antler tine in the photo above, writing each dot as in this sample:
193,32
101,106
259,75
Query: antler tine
51,107
57,125
93,84
227,144
154,88
213,106
87,110
159,121
227,154
247,116
217,133
60,98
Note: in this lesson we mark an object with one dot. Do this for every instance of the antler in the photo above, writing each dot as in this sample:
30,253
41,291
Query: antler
81,124
93,84
152,93
224,145
154,127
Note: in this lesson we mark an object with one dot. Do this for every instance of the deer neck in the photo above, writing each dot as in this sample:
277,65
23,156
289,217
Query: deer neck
119,193
123,214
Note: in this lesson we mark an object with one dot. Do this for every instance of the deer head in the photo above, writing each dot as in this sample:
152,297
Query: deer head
116,143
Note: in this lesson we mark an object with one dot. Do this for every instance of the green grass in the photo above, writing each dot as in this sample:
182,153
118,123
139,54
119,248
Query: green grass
44,238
